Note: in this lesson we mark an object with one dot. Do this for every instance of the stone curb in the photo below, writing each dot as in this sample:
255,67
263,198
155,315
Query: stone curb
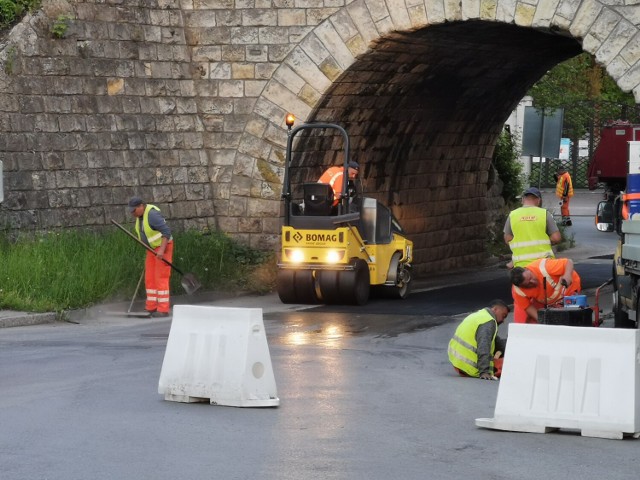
21,319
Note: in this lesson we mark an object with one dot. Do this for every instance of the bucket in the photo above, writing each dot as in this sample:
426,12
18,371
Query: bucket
575,301
633,194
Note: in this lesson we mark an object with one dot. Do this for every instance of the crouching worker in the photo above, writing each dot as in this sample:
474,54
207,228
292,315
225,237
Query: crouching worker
529,283
475,349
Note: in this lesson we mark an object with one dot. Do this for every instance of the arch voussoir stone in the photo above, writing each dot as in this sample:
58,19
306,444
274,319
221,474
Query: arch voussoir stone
618,38
545,11
584,17
600,30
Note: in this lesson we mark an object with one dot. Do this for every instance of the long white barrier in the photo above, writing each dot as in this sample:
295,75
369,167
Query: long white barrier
219,355
581,378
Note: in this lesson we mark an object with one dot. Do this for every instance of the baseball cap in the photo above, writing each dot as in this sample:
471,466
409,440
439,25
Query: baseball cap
134,202
354,165
532,191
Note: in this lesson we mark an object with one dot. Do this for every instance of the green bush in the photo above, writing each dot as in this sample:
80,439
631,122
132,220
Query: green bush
61,25
74,269
508,166
11,11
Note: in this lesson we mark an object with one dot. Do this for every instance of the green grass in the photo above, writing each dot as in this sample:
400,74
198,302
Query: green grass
75,269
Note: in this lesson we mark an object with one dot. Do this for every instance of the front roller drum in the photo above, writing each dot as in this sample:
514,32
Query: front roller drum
355,284
296,286
329,281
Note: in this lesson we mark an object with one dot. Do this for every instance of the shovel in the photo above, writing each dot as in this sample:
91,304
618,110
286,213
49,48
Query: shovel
189,281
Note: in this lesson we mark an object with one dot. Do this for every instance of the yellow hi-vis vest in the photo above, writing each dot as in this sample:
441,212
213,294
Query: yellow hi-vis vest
154,237
463,347
530,240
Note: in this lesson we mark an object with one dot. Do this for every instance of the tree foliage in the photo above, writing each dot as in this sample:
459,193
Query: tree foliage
587,94
505,161
11,11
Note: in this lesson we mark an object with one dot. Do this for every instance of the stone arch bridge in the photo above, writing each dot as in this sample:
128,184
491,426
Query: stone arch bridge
183,102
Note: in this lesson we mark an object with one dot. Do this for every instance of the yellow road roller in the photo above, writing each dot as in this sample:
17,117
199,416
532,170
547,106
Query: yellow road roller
338,253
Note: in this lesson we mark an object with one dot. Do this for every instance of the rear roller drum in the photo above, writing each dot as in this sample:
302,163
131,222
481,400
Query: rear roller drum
400,275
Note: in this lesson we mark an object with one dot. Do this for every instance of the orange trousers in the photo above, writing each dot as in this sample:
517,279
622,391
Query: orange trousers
521,316
564,209
156,280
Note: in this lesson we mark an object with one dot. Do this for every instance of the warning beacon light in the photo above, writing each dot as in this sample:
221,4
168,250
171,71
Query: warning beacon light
290,119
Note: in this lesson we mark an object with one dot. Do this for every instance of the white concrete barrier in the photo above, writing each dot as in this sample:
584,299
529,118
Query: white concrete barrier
219,355
581,378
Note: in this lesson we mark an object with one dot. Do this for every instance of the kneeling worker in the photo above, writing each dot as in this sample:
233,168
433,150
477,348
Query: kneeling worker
474,350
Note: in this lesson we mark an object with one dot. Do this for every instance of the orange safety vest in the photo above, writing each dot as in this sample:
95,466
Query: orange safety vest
334,177
563,180
555,291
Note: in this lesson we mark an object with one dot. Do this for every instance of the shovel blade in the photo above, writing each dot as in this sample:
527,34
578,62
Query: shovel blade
190,283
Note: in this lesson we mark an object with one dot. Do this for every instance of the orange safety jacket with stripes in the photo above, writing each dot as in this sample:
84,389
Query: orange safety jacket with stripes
564,187
551,270
334,176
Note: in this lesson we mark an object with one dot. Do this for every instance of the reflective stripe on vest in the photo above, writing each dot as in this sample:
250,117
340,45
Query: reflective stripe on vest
463,347
331,176
530,240
557,287
562,179
154,237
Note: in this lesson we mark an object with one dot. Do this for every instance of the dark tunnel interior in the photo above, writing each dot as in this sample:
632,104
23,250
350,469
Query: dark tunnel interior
423,110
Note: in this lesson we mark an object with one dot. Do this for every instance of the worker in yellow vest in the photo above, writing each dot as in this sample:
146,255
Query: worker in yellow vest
564,192
476,349
530,231
152,229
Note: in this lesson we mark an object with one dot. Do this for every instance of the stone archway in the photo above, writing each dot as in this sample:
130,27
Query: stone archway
424,92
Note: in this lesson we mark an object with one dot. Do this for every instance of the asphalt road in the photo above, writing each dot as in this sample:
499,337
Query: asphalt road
364,394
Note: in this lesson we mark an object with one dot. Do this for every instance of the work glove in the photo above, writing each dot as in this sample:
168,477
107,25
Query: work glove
487,376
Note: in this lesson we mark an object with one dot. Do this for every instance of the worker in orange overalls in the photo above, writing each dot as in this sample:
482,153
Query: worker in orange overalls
334,177
528,284
152,229
564,191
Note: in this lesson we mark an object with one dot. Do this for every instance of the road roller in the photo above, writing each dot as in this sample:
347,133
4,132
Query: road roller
337,247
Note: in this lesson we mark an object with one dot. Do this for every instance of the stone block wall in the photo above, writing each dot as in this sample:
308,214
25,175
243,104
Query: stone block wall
183,103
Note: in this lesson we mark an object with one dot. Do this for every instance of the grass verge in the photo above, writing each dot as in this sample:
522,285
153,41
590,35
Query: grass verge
75,269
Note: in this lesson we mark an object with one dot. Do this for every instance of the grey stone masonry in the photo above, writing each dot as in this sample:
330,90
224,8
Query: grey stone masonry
183,102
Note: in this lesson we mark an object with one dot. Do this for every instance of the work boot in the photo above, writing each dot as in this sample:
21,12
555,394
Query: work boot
159,314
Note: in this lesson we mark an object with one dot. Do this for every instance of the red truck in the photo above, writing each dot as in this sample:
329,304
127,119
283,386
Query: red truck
609,166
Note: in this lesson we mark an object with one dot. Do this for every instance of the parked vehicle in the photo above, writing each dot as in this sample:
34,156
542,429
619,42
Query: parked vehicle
609,166
616,164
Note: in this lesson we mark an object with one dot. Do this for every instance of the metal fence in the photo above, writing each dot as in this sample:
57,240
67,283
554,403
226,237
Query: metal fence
577,168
